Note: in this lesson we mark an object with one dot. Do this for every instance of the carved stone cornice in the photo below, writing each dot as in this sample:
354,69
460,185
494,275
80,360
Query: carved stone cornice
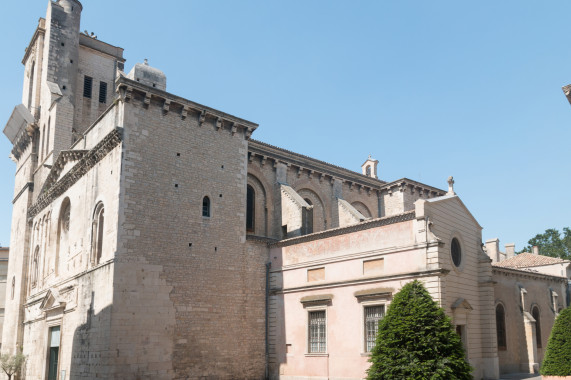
301,161
63,158
405,184
126,88
525,273
87,161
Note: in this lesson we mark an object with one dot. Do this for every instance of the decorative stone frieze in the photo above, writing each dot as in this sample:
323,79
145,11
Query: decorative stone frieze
87,161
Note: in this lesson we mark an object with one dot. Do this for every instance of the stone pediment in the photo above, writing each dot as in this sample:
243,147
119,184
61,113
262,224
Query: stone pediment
64,162
52,301
461,304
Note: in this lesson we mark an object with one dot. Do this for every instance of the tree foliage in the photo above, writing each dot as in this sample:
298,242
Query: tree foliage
551,243
12,364
415,340
557,361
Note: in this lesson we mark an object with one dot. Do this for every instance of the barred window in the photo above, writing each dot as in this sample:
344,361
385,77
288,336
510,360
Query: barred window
317,331
373,314
87,86
102,92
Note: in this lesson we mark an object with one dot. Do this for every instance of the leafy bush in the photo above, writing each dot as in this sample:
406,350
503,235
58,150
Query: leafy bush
557,361
416,340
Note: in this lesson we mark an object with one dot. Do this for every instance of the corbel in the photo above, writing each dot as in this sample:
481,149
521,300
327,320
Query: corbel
359,188
184,113
201,118
310,174
350,185
234,129
147,100
264,159
402,187
166,106
248,133
128,95
299,171
218,123
321,177
251,157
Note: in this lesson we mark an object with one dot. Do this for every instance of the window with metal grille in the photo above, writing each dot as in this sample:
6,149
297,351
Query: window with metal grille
373,314
206,206
102,92
87,86
317,331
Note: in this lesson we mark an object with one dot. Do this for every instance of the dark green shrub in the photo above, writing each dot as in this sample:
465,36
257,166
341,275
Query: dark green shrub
416,340
557,360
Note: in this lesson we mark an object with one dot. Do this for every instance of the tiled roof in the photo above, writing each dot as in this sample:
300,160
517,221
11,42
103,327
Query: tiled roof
527,259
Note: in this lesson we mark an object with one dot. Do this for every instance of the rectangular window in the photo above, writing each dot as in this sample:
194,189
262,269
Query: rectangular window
102,92
87,86
317,331
373,314
53,352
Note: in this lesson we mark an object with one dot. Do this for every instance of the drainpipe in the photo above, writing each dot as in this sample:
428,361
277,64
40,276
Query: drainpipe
267,369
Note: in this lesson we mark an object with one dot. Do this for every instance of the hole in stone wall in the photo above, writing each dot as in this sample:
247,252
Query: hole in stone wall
190,244
64,87
220,195
154,85
215,249
176,185
62,44
71,61
178,154
222,167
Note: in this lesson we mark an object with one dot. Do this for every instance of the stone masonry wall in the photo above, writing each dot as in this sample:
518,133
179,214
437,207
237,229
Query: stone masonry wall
193,287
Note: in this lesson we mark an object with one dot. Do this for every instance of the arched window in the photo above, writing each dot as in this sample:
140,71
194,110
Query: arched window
13,286
309,218
501,327
206,206
368,170
535,315
97,234
47,149
250,209
62,232
35,261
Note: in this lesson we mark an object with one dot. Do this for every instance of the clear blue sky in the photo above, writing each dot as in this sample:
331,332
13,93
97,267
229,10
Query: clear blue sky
430,89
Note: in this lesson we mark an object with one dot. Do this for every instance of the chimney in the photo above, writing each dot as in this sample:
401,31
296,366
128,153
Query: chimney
510,250
493,249
535,250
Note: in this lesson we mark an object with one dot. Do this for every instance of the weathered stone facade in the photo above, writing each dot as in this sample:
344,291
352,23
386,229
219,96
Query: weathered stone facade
153,238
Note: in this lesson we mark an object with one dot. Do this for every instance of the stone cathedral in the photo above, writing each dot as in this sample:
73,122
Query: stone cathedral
153,238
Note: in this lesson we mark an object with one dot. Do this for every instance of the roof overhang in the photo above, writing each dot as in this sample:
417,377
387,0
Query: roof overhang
19,120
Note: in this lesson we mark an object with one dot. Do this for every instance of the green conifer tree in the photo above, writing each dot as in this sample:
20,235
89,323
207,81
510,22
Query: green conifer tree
416,341
557,361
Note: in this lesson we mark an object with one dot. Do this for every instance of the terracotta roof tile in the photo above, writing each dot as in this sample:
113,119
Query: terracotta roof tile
527,259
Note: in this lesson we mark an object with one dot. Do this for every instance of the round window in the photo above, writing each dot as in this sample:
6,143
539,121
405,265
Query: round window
456,252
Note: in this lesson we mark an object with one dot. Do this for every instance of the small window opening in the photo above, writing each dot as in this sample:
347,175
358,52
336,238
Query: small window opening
250,208
87,86
102,92
206,206
501,327
535,315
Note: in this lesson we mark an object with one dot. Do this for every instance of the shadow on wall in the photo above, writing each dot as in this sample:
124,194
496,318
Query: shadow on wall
90,353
